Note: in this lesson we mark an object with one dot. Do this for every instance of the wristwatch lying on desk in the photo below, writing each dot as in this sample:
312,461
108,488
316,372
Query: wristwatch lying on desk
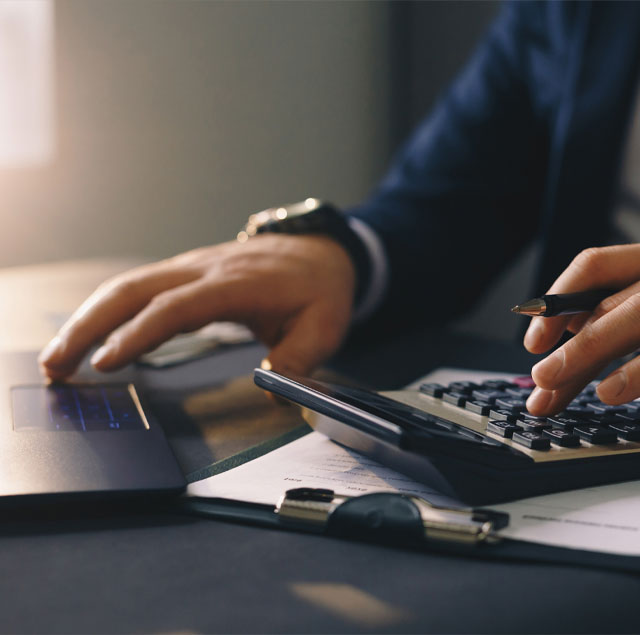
313,216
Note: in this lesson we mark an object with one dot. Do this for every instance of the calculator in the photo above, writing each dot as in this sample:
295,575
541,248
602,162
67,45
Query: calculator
474,442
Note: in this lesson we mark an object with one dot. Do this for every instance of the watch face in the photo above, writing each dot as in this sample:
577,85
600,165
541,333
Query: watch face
298,209
279,219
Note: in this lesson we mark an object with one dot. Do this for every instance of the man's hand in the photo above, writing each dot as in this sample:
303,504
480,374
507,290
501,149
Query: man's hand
606,334
294,292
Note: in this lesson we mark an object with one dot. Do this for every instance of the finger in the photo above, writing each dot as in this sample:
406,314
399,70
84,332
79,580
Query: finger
581,359
312,338
543,403
579,321
543,333
617,266
112,304
606,306
622,385
182,309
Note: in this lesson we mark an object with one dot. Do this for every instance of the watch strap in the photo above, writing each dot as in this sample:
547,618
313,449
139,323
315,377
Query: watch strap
327,220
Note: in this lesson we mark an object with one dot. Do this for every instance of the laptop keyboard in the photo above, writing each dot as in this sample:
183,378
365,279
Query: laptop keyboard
497,409
83,408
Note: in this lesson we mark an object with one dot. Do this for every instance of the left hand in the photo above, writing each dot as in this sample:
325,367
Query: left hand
611,331
294,292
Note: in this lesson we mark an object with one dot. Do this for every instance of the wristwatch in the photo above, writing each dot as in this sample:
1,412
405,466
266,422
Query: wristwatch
313,216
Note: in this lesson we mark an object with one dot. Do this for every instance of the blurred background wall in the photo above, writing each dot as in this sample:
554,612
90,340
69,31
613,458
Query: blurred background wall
173,119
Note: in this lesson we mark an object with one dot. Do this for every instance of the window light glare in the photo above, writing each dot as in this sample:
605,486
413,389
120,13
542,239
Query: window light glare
26,78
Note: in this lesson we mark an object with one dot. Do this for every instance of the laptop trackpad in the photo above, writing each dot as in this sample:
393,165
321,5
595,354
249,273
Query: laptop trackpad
78,408
82,440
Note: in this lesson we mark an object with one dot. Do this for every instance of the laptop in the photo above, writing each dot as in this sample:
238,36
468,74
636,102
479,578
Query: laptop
83,440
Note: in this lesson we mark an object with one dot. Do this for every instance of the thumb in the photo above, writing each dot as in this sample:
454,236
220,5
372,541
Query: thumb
311,340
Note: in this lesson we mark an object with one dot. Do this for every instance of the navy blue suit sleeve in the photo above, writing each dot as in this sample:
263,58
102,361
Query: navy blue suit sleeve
464,196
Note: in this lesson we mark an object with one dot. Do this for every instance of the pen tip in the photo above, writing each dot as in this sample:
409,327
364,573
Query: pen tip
537,306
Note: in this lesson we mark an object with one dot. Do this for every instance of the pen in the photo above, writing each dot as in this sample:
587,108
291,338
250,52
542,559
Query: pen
563,304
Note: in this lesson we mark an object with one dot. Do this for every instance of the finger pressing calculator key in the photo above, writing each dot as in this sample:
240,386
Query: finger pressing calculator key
587,427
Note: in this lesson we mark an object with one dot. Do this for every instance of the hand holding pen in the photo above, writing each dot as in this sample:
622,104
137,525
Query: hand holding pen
608,332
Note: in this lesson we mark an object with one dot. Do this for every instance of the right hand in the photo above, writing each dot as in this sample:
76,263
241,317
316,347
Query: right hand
603,336
294,292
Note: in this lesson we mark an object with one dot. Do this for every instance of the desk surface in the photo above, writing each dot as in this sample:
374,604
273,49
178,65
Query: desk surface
164,573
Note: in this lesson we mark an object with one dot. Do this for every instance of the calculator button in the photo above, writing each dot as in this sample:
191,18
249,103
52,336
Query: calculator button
496,384
489,396
466,387
604,420
596,434
455,398
514,405
627,417
533,426
602,408
583,401
518,393
627,431
479,407
565,423
529,417
577,411
562,438
633,407
532,440
434,390
503,415
502,428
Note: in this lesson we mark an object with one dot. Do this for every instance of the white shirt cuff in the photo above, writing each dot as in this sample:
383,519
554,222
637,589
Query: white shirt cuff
375,292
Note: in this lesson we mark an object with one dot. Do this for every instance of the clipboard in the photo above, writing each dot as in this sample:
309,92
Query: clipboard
233,507
395,520
390,520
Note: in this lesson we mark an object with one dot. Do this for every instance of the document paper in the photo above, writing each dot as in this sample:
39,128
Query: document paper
312,461
605,519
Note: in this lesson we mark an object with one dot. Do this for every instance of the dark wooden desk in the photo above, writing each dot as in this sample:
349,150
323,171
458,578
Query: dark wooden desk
163,573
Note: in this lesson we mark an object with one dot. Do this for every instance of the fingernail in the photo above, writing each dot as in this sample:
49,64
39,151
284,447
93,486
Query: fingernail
539,399
102,354
612,386
549,367
50,350
534,334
